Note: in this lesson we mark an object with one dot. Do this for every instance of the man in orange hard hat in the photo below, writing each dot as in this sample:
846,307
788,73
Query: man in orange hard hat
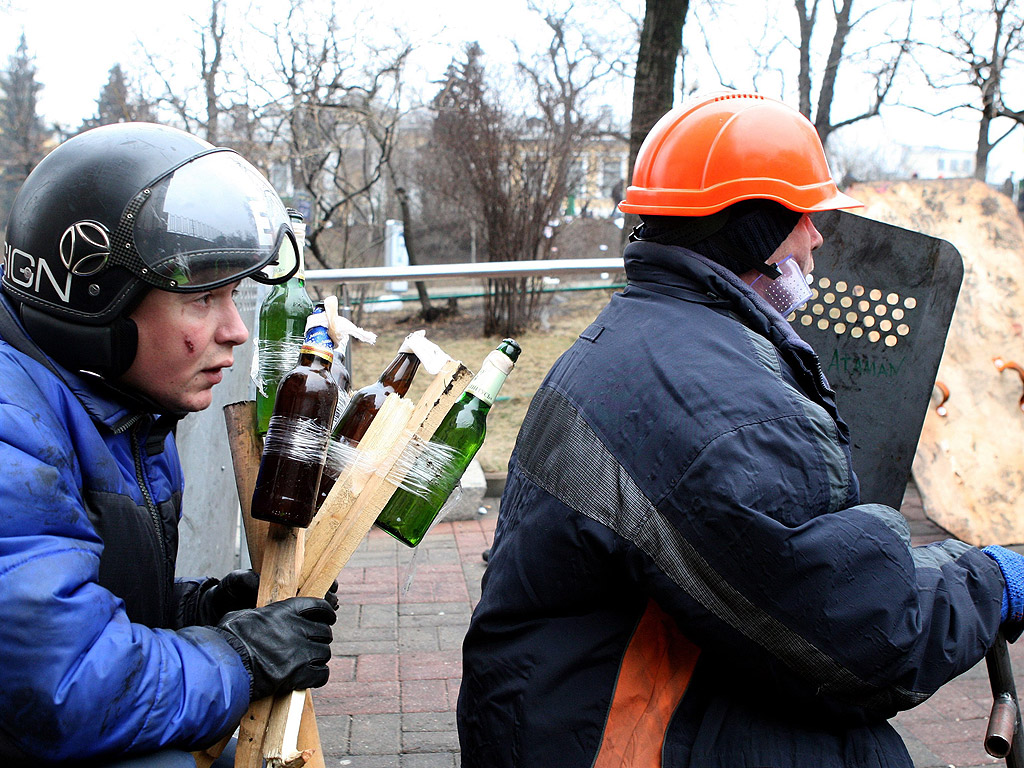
683,573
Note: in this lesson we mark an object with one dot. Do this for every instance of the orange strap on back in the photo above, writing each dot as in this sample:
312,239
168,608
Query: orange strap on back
653,676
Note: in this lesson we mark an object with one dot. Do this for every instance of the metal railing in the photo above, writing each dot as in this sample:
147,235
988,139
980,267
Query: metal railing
481,270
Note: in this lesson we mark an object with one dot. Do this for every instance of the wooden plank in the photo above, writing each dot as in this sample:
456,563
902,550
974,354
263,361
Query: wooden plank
352,519
246,449
347,514
386,428
282,554
281,745
309,733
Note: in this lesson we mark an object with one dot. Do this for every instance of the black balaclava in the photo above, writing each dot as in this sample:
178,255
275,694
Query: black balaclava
740,238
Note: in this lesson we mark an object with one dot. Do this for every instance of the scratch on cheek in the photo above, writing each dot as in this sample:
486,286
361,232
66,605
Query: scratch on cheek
189,345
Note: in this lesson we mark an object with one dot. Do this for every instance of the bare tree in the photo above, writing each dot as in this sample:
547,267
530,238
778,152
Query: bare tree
985,42
514,161
661,45
884,55
337,121
181,101
211,52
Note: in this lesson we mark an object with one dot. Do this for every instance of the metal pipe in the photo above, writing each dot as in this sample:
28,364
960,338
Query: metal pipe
1004,737
482,270
1005,365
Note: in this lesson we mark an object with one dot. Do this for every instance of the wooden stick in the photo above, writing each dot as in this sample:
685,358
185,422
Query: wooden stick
282,558
282,740
205,758
348,513
246,449
387,426
309,733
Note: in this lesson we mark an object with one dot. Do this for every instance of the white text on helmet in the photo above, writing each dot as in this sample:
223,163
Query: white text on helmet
27,271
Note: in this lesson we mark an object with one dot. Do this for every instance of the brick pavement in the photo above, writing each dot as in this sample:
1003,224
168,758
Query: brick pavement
396,669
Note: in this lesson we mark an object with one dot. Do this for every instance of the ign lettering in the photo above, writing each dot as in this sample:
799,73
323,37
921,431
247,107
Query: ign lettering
27,271
864,365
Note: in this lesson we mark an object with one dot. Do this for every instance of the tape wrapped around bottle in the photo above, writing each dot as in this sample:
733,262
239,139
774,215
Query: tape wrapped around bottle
420,468
296,438
273,359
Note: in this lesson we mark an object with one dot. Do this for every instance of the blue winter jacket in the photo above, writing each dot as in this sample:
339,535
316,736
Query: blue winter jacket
94,661
682,573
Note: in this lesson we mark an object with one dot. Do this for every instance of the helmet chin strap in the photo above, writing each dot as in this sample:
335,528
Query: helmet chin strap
107,350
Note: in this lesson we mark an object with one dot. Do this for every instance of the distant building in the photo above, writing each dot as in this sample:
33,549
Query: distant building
938,162
598,178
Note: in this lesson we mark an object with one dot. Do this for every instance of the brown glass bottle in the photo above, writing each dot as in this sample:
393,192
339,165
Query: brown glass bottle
359,413
295,445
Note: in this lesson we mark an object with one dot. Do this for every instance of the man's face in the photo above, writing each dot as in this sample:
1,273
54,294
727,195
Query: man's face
185,342
804,239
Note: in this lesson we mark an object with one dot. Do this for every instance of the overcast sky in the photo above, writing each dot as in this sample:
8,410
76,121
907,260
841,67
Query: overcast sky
76,42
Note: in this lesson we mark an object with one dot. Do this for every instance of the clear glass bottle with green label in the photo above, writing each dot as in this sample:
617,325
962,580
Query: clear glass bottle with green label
409,514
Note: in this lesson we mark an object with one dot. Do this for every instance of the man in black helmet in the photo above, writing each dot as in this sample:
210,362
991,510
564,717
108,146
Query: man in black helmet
123,251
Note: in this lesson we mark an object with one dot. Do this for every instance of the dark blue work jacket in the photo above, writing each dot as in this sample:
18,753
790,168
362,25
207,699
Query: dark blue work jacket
683,574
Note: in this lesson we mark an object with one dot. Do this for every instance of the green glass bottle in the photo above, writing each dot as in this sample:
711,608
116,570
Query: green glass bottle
282,324
409,515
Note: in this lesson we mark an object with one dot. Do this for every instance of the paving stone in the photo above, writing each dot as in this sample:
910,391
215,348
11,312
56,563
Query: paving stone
379,734
430,741
377,667
451,637
368,761
397,665
431,760
377,616
343,668
358,698
429,721
334,733
433,615
919,752
430,665
425,696
419,639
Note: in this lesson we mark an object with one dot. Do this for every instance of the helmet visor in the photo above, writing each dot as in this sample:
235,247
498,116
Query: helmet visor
211,222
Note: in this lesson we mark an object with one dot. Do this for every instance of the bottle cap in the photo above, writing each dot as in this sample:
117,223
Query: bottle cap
501,361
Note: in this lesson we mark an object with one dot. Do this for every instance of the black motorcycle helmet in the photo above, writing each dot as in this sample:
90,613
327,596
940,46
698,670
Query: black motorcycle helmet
121,209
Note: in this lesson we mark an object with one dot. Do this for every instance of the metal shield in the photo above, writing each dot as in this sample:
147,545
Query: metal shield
883,298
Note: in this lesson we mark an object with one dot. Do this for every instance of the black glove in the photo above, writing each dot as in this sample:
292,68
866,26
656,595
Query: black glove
285,646
234,592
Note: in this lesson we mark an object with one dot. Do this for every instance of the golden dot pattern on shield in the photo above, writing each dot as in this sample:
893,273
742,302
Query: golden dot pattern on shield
880,317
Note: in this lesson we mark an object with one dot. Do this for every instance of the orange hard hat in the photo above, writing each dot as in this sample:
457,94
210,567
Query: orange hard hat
721,149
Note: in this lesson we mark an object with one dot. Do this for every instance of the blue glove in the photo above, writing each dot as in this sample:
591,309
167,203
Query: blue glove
1012,566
